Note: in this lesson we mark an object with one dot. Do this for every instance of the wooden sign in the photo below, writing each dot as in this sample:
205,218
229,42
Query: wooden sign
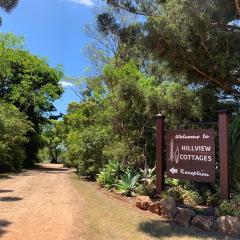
191,154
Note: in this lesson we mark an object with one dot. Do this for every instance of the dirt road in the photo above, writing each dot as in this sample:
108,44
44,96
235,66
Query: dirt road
51,203
40,204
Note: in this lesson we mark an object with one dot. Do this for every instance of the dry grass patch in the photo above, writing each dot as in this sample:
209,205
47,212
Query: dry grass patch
110,218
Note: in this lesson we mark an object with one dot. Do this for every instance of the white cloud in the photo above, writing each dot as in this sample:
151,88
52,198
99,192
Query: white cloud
66,84
88,3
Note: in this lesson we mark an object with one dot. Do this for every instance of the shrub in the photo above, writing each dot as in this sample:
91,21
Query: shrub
172,181
176,192
231,208
128,183
86,152
191,198
211,199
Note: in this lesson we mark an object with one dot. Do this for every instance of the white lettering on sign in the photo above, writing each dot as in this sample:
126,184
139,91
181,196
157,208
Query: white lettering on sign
184,136
191,154
196,148
205,136
176,155
194,173
195,157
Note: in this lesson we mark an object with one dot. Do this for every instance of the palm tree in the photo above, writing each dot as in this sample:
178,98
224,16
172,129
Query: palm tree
8,5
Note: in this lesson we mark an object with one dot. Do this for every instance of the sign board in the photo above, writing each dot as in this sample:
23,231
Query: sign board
191,154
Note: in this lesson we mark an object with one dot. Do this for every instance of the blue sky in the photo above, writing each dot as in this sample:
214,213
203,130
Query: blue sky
54,29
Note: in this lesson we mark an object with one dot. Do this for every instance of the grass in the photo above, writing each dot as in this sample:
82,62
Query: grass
4,175
110,218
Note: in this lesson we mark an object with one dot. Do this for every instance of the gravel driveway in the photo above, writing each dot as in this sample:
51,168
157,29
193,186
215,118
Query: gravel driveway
40,204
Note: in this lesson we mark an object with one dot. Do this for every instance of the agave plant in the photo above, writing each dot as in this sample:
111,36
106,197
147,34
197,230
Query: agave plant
148,175
147,182
110,174
128,183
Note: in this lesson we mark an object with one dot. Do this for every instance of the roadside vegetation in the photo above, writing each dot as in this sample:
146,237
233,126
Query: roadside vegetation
28,88
185,67
110,218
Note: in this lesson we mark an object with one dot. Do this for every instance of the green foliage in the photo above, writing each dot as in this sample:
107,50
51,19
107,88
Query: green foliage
211,199
43,155
52,141
200,42
172,181
30,84
110,174
191,198
178,102
235,152
231,207
147,182
176,192
13,135
128,183
86,151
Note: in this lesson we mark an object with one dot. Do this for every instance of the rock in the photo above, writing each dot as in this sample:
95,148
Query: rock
143,202
184,217
228,225
155,208
206,211
168,208
203,222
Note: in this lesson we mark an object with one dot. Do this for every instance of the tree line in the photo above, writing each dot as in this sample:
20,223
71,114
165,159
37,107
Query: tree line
28,88
178,58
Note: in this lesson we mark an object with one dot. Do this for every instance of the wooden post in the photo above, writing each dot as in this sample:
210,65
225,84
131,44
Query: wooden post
223,154
159,153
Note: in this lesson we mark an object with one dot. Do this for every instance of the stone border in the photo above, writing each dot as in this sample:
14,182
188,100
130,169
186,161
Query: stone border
185,216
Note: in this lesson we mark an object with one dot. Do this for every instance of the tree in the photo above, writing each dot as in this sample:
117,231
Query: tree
31,85
115,120
14,127
52,138
198,38
8,6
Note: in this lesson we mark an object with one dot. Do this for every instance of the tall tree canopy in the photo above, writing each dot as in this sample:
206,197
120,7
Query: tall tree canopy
30,84
199,38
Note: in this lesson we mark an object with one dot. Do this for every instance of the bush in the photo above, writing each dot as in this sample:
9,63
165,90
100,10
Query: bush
231,208
86,151
176,192
191,198
211,199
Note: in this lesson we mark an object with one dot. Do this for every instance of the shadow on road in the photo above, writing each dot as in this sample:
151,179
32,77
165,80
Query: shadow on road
50,169
10,199
3,225
160,229
5,191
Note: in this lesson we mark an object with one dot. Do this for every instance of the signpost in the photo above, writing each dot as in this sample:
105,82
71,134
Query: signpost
191,155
